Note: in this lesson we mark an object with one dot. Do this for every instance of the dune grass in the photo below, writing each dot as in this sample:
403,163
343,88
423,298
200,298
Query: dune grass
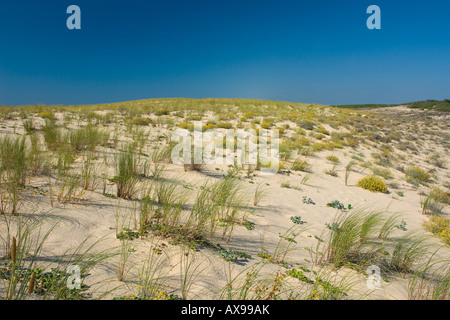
124,149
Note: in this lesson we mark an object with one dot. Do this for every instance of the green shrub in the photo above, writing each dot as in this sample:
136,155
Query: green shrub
317,146
417,174
383,172
162,112
322,130
303,141
46,115
440,196
319,136
187,126
224,125
372,183
301,165
194,118
333,159
140,121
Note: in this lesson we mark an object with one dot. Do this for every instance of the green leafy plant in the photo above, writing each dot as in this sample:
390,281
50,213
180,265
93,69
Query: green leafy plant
127,234
336,204
417,174
307,200
402,226
297,220
298,274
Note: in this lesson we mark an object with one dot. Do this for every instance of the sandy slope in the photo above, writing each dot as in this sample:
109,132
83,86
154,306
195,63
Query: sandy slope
94,218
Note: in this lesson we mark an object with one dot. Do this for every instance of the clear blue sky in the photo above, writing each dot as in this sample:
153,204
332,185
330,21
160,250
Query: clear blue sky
304,51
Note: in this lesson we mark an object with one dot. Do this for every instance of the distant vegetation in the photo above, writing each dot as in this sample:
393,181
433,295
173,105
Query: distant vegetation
430,104
437,105
364,106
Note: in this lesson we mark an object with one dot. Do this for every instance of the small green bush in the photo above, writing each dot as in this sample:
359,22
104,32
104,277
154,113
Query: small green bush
224,125
383,172
372,183
440,196
301,165
187,126
333,159
417,174
140,121
46,115
162,112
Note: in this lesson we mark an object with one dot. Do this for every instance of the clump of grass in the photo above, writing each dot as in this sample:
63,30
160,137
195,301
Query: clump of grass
383,172
52,135
142,121
36,158
333,159
440,195
87,138
126,177
388,227
124,255
430,205
70,188
25,276
417,174
65,159
301,165
89,177
217,205
408,251
225,125
162,112
46,115
429,282
13,173
348,169
288,185
171,198
332,172
305,179
351,239
372,183
260,192
28,126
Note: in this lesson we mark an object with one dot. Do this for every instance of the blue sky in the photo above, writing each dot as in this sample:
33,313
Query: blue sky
303,51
